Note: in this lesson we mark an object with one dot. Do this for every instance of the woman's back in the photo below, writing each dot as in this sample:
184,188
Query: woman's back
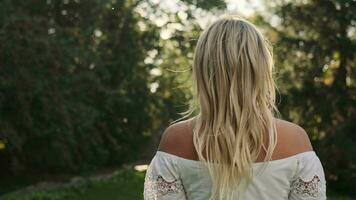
235,128
294,173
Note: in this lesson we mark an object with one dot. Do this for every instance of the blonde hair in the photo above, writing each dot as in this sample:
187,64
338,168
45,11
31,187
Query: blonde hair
235,93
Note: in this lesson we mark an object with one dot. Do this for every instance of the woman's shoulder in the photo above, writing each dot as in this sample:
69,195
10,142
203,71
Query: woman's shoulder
292,139
177,139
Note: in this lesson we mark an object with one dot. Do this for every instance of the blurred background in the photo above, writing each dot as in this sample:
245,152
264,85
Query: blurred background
87,87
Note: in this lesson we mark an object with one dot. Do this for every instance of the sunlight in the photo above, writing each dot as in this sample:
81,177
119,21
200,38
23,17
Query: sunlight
141,168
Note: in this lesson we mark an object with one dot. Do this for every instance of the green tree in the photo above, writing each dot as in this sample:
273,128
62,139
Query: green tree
315,48
71,84
75,90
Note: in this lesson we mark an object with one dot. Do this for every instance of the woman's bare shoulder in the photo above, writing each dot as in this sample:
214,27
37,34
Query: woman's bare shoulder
292,139
177,139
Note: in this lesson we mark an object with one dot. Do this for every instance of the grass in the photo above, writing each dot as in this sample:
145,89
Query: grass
125,185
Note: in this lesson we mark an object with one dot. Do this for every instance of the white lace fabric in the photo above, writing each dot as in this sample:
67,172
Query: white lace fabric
309,179
162,180
300,177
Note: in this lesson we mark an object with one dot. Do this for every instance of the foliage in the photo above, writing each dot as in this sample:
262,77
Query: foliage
75,87
70,86
314,45
126,184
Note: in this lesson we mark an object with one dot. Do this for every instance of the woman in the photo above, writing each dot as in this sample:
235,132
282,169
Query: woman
235,148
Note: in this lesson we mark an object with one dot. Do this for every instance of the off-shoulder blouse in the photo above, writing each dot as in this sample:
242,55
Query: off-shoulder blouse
301,176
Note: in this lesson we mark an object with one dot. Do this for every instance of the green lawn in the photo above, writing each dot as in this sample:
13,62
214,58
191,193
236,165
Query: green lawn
126,185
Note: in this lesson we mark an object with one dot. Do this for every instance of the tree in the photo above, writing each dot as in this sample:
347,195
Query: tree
75,90
314,45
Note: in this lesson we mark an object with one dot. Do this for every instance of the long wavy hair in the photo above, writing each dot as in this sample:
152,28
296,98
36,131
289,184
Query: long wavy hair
234,94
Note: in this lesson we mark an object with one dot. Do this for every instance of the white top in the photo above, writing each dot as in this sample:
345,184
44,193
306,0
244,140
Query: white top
300,177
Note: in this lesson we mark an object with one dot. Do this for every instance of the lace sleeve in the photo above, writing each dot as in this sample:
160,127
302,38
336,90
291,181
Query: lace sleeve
309,180
162,181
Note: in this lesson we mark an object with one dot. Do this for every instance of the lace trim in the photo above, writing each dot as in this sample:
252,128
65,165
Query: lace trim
312,188
155,187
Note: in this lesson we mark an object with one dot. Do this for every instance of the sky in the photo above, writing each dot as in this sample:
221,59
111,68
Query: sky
245,7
